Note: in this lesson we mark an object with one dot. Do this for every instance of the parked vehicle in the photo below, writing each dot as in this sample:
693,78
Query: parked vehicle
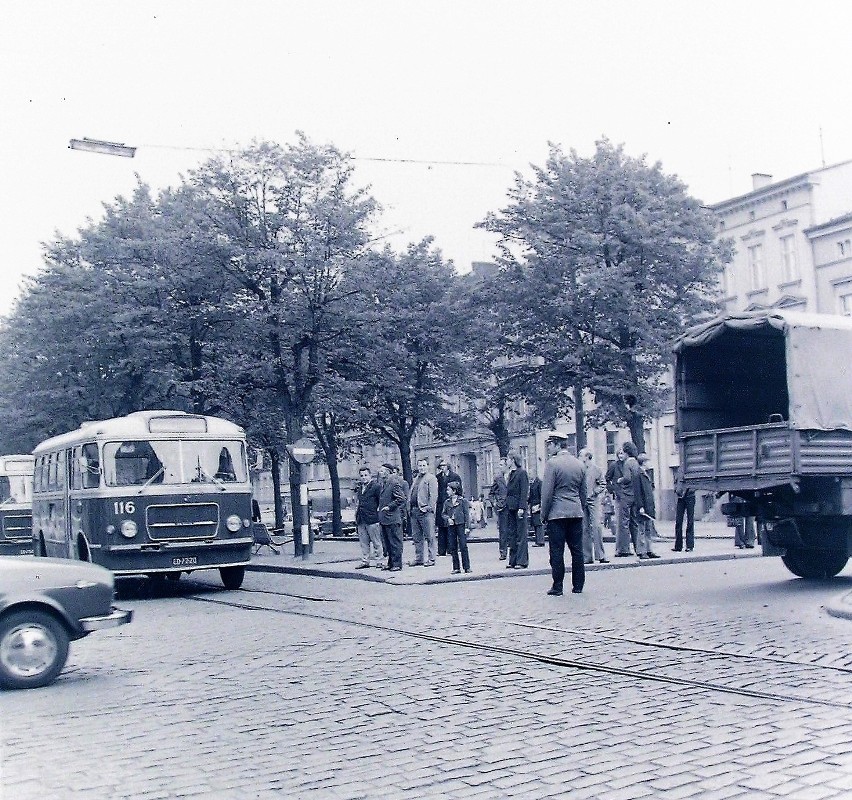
16,500
764,413
44,604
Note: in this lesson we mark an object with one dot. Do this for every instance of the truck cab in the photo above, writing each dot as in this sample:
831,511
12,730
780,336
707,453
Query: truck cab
763,405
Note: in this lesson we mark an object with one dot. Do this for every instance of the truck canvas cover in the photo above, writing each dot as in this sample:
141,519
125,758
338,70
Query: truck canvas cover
756,358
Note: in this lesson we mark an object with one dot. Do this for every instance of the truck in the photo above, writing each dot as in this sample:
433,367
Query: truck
763,412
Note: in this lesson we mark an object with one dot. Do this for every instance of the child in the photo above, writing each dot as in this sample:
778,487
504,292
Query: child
456,515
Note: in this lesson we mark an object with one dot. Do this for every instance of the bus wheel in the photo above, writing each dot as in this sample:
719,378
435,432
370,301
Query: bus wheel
33,649
232,577
814,563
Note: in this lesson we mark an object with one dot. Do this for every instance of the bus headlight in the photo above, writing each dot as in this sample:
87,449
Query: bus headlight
128,529
233,523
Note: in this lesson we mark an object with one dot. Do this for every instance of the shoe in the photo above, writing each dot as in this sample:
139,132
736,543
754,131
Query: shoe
503,558
457,572
653,555
395,569
677,549
688,549
510,566
363,566
555,592
642,556
576,591
429,564
622,555
521,566
538,545
749,547
603,561
589,562
415,563
467,570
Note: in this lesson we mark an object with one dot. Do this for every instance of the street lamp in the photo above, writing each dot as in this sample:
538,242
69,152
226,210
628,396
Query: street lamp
105,148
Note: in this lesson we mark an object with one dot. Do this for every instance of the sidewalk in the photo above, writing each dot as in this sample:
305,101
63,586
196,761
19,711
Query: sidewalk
339,558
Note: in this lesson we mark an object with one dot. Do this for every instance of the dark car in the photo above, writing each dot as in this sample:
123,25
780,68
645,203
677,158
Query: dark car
44,604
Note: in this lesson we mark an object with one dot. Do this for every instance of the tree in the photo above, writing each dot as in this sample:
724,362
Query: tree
413,362
292,227
604,260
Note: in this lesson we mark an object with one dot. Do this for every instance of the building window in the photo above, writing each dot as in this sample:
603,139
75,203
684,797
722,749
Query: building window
845,303
670,438
611,447
789,262
755,266
783,205
844,248
524,453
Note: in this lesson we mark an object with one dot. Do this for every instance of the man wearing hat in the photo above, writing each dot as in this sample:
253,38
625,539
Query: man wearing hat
391,503
563,506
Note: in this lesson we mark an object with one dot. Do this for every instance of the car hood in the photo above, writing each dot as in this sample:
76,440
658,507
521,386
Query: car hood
19,571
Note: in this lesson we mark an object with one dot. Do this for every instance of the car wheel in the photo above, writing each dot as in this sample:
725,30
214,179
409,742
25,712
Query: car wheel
814,563
33,649
232,577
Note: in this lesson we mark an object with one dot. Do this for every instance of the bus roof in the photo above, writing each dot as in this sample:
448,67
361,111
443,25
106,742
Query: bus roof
143,425
17,465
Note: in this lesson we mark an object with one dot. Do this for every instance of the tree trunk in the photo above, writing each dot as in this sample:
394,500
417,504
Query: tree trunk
405,457
636,426
276,486
579,417
334,476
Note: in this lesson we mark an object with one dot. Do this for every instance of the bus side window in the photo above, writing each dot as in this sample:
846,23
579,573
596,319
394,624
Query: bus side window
52,482
90,467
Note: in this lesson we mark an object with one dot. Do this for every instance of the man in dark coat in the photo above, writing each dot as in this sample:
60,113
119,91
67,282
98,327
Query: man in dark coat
445,476
517,494
563,504
685,506
367,519
391,504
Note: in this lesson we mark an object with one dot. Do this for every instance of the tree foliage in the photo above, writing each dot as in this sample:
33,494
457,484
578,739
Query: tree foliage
604,260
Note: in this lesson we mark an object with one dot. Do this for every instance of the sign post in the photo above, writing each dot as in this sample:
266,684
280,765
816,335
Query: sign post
303,452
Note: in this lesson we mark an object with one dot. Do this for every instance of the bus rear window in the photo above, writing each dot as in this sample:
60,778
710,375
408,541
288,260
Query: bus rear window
140,463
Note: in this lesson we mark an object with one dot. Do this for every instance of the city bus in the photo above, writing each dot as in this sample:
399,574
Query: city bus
16,498
155,493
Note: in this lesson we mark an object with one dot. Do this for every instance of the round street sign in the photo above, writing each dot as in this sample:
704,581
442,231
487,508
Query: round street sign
303,451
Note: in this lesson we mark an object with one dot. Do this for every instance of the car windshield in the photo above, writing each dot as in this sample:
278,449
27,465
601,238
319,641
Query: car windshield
176,461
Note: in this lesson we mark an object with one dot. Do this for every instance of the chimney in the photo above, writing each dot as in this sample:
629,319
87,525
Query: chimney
759,180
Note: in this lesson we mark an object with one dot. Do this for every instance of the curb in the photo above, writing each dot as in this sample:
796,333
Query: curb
321,572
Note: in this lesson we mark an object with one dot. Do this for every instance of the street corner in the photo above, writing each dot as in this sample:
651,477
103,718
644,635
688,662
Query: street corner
840,606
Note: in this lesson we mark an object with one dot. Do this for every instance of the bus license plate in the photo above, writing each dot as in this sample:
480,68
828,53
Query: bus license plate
185,561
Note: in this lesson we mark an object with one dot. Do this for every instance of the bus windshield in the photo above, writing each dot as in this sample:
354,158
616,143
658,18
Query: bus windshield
175,461
15,489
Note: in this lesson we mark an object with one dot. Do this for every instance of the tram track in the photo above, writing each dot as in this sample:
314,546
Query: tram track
555,660
588,634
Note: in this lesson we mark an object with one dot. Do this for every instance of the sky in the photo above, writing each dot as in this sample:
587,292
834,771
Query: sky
714,91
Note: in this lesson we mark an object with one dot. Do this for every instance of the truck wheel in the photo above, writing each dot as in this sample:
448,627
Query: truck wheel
232,577
814,563
33,649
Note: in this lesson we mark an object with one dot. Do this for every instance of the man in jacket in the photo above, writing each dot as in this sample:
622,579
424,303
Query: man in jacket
497,495
563,504
422,502
628,528
445,476
391,504
367,518
517,494
645,509
685,505
614,474
593,547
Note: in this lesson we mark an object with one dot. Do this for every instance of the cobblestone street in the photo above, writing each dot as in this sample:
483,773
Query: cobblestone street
303,686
